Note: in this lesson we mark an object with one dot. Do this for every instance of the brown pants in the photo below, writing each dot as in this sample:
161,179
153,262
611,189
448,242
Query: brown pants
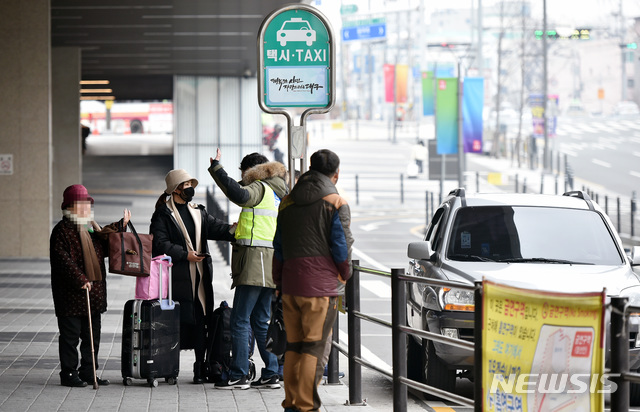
308,322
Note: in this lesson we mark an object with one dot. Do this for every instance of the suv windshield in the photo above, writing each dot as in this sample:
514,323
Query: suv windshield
532,234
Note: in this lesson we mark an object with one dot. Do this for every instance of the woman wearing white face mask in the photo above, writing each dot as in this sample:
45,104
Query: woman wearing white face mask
78,246
181,229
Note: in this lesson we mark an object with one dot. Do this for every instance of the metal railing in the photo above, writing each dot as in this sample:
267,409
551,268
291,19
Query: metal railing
619,336
399,333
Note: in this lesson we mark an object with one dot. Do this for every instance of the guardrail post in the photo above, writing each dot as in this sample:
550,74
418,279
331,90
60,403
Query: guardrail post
426,202
333,364
619,336
633,211
477,348
353,329
619,228
398,339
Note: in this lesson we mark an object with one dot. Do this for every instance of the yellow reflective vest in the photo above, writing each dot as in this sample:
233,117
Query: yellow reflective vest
257,225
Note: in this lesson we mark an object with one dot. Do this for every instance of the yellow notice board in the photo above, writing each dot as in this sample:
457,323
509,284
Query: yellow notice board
542,351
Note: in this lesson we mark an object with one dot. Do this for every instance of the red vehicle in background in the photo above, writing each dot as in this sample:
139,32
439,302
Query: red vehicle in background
125,118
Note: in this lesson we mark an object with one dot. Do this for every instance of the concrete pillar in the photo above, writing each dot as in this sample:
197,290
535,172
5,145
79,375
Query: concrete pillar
25,128
65,121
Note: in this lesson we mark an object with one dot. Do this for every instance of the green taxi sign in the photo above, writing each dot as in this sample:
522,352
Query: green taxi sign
295,50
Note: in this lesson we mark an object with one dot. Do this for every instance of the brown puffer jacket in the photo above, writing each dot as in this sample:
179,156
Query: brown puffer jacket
67,269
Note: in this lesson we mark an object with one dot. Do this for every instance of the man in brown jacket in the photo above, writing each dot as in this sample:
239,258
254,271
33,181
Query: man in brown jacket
78,247
311,263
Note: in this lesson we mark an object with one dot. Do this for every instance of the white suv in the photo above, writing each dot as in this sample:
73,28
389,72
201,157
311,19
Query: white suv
564,243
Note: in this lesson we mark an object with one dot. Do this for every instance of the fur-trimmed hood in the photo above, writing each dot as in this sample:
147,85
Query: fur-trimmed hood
263,172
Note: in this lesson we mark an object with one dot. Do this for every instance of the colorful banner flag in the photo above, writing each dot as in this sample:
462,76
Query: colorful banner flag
472,104
542,351
447,116
402,74
428,93
537,114
389,82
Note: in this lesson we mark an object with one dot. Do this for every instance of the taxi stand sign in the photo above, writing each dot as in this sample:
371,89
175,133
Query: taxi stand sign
296,57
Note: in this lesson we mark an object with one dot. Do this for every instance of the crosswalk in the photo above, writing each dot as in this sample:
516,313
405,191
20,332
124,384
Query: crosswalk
594,126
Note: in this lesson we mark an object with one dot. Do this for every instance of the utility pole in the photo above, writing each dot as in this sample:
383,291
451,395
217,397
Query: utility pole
623,51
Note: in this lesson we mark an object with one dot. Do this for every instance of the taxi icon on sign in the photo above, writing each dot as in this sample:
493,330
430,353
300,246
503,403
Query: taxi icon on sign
296,29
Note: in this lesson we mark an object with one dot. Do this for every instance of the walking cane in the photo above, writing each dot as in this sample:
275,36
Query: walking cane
93,356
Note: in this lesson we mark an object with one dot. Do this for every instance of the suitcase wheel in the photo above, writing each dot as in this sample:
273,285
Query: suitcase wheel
171,380
126,381
153,383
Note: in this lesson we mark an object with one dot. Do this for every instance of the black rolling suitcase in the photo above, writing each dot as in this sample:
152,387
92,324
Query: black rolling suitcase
151,339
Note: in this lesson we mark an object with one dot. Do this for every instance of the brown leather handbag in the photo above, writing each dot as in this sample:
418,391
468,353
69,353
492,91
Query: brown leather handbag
130,253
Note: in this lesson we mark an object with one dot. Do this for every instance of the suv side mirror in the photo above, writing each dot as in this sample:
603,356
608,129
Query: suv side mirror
635,256
422,250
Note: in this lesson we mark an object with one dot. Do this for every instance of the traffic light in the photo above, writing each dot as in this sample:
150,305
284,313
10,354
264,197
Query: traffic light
632,45
576,34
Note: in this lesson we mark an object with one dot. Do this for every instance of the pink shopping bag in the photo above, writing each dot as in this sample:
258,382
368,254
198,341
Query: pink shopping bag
148,287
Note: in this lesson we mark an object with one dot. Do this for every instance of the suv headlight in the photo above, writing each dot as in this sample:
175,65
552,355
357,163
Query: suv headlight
457,299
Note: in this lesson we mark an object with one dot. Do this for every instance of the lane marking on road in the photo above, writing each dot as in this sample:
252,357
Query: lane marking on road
441,408
634,174
601,163
377,287
370,260
366,353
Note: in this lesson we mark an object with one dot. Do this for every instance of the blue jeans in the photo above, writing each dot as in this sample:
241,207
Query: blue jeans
251,306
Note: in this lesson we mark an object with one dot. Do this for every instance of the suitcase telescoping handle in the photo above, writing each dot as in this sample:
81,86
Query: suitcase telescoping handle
166,304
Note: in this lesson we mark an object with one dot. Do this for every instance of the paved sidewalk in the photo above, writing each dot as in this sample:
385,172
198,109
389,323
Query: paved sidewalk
29,367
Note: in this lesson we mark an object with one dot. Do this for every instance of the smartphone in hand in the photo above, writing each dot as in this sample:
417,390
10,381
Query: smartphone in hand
202,254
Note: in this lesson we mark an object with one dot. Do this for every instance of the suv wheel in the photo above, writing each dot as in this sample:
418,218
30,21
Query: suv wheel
435,371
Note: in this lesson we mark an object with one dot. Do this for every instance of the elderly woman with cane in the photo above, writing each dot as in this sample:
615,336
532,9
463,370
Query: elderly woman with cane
78,246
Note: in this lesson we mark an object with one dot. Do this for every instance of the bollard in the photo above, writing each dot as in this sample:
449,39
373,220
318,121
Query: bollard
398,339
354,331
619,335
557,184
432,205
401,189
633,211
606,204
426,221
357,192
541,183
524,186
477,182
618,214
516,183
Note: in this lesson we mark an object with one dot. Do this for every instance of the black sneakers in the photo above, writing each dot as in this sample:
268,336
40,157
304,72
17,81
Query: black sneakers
271,383
72,380
241,383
